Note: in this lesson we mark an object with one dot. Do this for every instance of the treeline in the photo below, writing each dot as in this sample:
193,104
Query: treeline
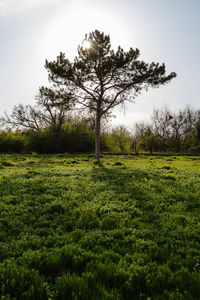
74,136
71,137
167,131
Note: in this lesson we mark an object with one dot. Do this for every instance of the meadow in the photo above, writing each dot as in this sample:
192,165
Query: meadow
128,228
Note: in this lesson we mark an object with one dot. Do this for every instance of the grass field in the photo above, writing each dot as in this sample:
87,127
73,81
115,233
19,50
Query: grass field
127,229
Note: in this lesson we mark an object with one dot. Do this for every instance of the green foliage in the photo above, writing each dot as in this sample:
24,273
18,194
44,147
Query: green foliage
120,140
149,142
81,231
18,282
71,138
118,163
11,142
166,167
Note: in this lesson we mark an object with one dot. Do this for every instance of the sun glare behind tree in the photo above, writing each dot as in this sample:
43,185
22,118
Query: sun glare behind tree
86,44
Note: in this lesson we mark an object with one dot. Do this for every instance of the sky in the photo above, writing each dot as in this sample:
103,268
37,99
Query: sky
164,31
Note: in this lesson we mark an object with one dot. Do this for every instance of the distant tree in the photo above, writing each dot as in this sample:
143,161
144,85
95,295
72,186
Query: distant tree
178,125
140,129
176,129
102,78
193,122
121,138
56,104
51,110
22,116
191,140
149,142
197,125
161,123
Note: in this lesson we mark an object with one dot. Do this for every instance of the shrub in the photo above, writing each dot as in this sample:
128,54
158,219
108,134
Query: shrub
71,139
11,142
118,163
17,282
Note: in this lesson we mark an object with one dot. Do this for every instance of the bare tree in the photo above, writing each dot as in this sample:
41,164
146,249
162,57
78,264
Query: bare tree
51,110
161,123
178,125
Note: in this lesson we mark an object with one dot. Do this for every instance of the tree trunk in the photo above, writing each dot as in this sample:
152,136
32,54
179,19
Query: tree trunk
97,136
178,145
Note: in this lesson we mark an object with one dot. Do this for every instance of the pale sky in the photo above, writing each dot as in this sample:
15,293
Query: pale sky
165,31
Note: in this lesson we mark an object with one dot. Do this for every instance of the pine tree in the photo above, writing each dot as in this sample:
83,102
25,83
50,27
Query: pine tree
102,78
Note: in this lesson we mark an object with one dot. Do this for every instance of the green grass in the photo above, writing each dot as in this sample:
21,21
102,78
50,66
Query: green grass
127,229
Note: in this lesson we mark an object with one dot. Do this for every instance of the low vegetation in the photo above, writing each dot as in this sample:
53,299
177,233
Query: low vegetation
166,132
127,228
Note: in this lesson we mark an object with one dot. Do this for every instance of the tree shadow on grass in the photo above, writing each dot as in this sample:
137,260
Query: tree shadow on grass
122,180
